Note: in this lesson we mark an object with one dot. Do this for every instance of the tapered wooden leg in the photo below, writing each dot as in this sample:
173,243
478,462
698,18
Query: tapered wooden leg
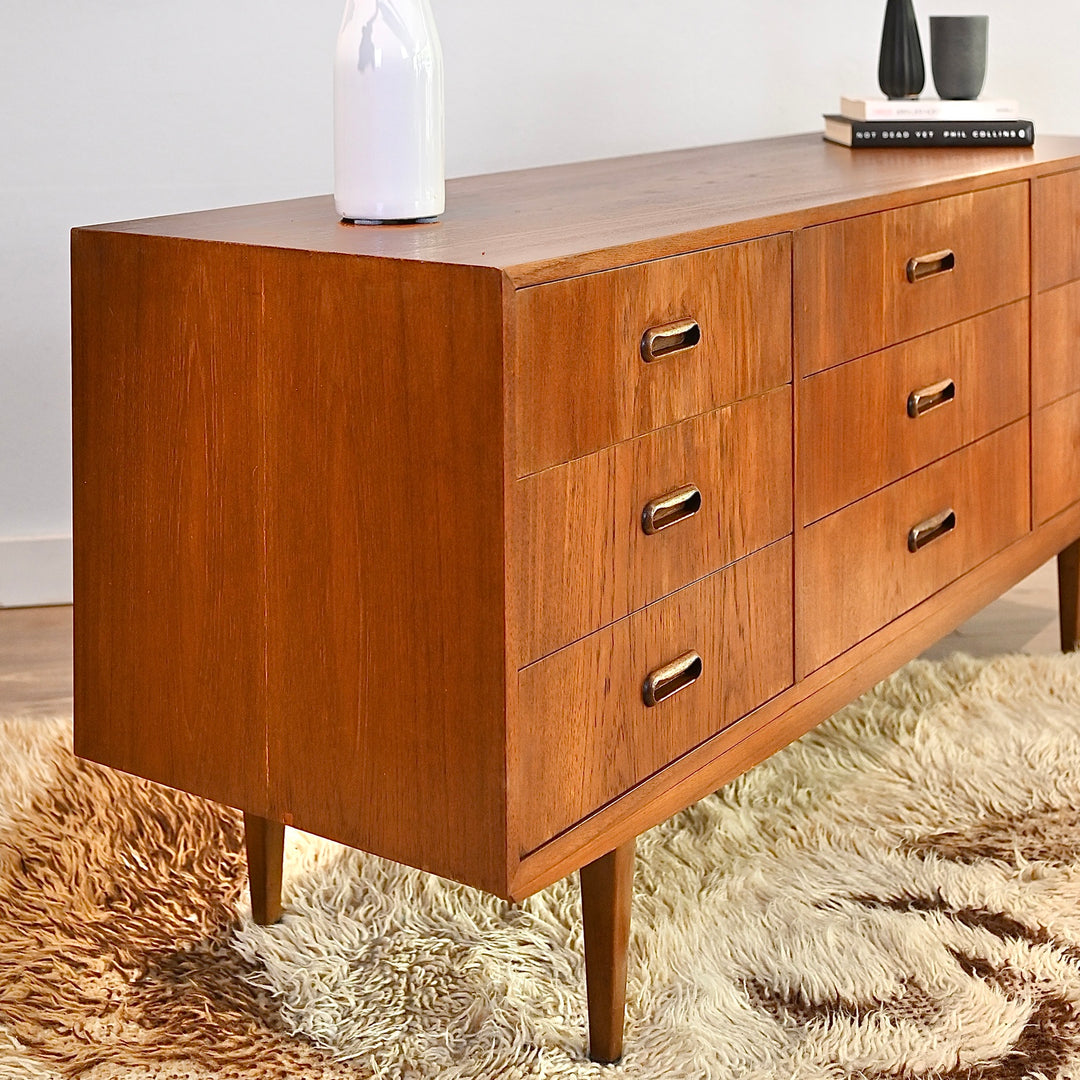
1068,568
265,843
607,886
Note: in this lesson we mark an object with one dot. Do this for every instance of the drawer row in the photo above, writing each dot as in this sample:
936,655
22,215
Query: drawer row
661,584
602,536
607,357
601,715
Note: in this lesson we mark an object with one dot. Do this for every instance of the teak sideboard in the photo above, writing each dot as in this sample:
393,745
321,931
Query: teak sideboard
486,545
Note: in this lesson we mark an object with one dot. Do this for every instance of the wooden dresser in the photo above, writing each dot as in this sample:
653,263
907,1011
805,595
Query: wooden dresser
489,544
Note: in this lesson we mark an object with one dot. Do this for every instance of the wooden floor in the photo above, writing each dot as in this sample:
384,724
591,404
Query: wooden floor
35,643
1025,619
35,661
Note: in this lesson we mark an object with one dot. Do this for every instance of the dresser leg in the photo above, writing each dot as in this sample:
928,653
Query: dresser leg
265,843
606,890
1068,568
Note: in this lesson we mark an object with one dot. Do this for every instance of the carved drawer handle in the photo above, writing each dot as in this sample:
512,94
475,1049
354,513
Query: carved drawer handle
924,266
922,401
667,510
659,342
931,529
668,680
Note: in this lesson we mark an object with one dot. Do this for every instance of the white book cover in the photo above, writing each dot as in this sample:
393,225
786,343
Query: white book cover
857,108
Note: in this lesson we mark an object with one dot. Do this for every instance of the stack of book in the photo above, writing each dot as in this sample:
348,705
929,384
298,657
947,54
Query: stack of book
921,122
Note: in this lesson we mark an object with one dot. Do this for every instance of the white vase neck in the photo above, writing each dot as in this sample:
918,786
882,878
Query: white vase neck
407,25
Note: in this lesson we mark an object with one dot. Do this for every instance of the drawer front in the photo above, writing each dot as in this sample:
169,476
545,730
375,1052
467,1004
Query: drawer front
1056,457
1055,344
584,733
871,421
856,569
604,535
873,281
581,380
1056,229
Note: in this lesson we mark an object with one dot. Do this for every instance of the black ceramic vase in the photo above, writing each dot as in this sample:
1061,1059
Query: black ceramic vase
900,65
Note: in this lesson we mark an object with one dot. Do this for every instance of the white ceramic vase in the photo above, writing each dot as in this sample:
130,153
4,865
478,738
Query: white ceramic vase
389,146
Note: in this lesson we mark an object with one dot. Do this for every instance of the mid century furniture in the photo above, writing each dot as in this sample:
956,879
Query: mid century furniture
489,544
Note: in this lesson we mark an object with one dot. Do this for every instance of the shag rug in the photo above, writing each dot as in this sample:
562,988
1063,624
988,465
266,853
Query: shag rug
896,895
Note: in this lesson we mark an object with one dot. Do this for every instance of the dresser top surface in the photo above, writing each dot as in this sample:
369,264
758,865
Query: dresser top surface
553,222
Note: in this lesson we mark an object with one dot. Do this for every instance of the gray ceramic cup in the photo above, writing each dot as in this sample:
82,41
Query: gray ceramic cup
958,54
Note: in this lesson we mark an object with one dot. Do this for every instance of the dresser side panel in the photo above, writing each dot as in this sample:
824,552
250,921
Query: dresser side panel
385,592
168,534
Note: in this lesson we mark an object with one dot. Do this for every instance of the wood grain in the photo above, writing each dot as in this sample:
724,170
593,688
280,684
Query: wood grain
1055,224
580,558
1055,450
584,735
384,559
607,886
288,501
169,625
1055,344
559,221
264,843
854,297
856,572
580,381
855,431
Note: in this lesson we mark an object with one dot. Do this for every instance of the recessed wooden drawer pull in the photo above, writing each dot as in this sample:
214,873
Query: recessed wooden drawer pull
931,529
930,397
667,510
671,678
924,266
661,341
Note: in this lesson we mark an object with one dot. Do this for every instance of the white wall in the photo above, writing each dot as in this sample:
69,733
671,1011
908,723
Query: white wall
114,109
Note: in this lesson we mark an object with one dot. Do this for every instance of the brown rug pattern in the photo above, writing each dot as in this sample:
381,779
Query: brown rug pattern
119,899
895,896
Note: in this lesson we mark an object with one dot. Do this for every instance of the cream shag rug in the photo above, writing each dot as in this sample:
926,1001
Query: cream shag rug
896,895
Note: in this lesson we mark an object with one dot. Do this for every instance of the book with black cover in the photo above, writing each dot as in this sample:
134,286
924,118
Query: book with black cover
923,133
